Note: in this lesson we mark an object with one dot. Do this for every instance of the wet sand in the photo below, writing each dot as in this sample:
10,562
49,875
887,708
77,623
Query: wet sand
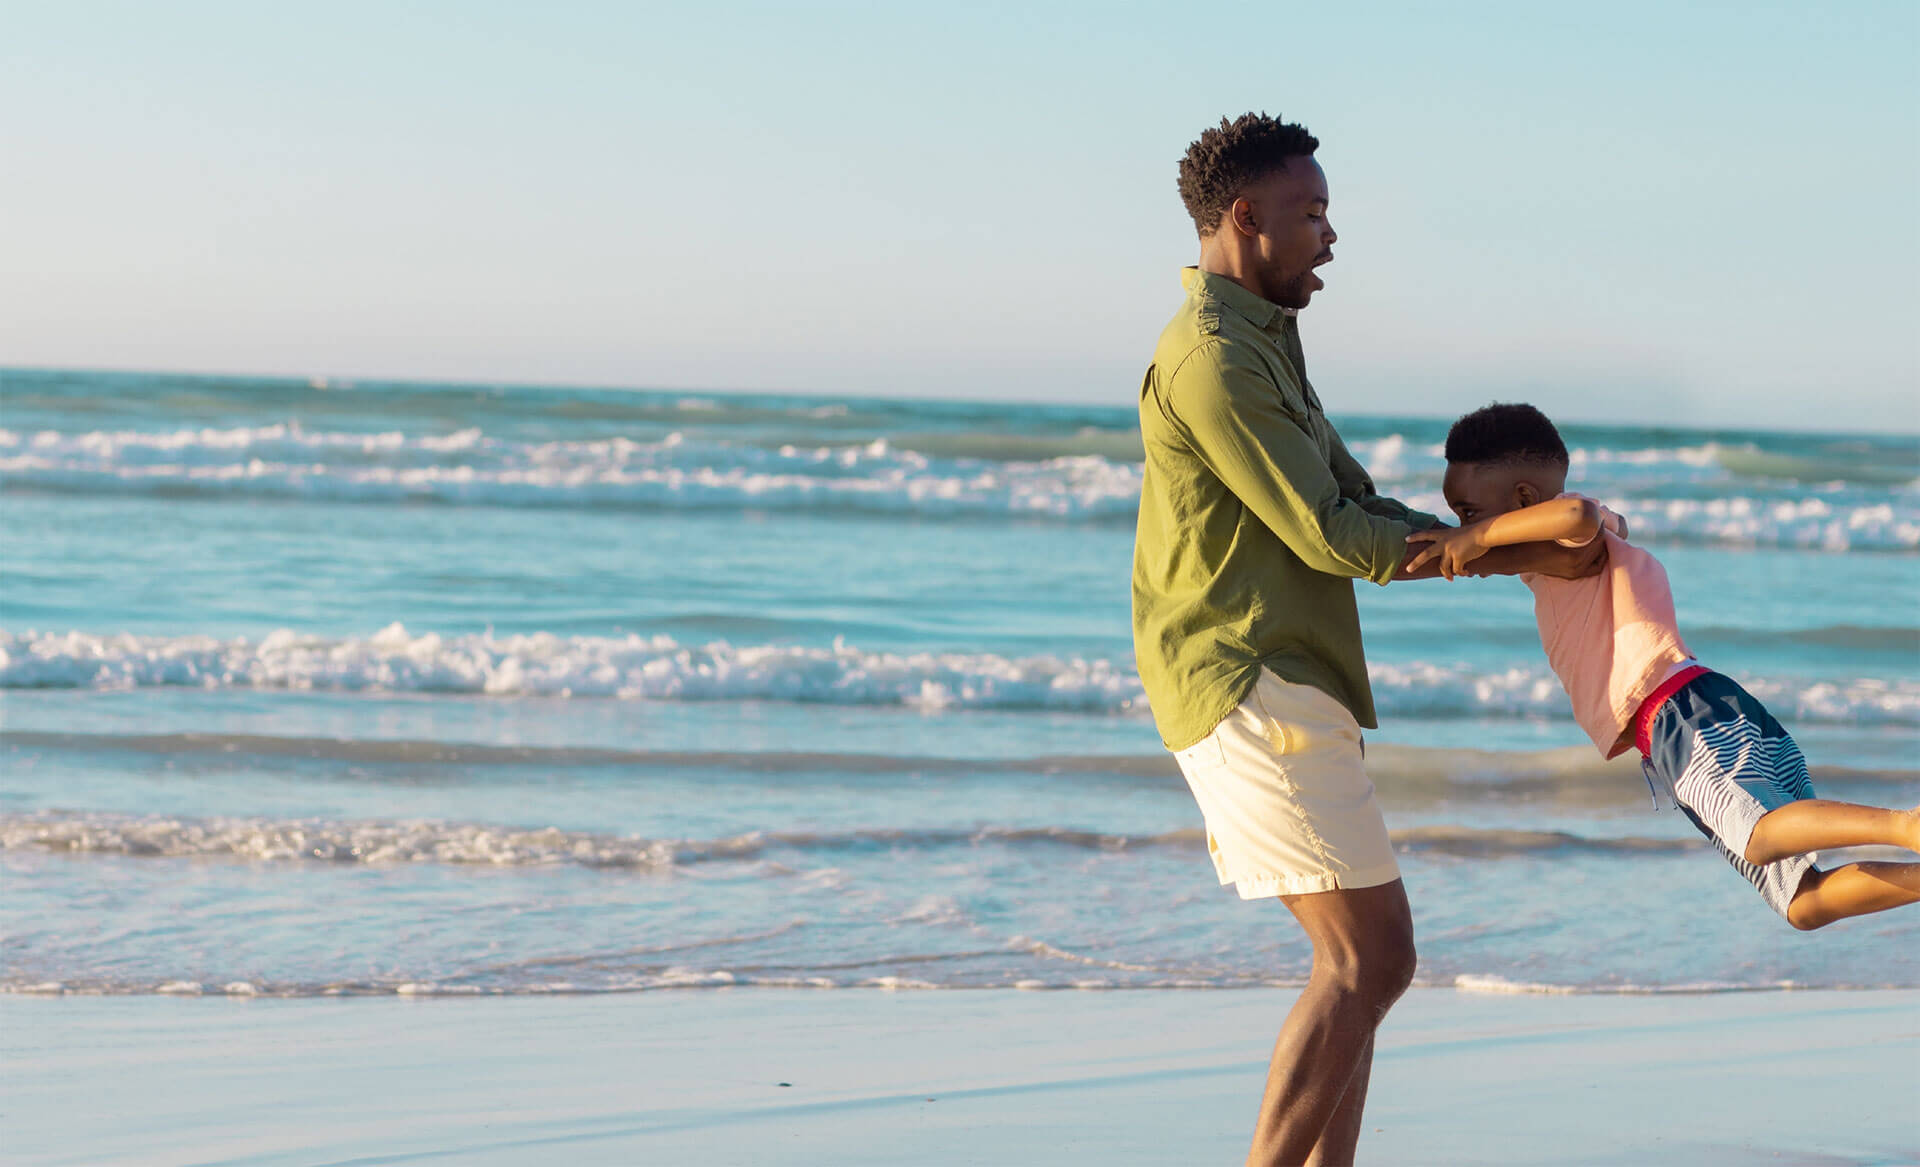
767,1076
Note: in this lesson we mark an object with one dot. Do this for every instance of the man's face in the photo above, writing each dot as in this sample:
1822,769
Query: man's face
1286,213
1481,490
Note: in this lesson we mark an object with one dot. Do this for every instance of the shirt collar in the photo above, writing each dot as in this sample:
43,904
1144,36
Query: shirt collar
1262,312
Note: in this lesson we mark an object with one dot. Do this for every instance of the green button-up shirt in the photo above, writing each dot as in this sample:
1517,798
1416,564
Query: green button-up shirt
1254,520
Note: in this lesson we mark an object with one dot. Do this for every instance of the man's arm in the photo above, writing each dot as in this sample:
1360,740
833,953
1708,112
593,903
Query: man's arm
1521,559
1393,508
1357,484
1240,426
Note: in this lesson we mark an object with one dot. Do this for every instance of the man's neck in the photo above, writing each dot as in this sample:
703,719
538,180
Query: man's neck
1228,264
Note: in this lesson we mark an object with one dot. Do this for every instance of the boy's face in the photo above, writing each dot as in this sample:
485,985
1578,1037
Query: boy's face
1481,490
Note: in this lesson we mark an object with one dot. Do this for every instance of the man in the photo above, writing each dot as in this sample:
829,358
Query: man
1254,522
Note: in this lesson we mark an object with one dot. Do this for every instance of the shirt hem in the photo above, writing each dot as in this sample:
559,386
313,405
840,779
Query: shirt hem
1671,657
1212,720
1365,716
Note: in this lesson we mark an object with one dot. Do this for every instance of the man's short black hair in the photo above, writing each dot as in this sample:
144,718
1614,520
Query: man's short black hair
1222,162
1506,433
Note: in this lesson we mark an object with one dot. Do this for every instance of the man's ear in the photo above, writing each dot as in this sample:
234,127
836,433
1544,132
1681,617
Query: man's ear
1240,214
1527,493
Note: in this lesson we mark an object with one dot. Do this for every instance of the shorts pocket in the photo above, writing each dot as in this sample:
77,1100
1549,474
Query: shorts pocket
1302,719
1205,754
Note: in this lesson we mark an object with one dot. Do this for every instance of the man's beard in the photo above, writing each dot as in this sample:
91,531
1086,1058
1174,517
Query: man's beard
1295,292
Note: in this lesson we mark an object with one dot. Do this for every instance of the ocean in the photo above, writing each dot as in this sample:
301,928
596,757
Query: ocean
317,688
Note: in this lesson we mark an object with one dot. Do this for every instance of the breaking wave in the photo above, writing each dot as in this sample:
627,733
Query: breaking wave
470,468
1089,474
259,839
659,668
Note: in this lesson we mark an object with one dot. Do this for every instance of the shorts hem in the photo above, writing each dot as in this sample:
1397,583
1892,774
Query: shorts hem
1792,872
1255,887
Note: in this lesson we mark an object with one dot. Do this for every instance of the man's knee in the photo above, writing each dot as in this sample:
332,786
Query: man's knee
1379,969
1394,968
1362,940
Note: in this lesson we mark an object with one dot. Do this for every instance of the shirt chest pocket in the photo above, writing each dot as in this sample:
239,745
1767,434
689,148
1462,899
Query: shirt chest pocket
1298,402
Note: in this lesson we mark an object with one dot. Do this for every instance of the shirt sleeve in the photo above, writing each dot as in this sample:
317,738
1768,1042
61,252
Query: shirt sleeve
1357,485
1246,431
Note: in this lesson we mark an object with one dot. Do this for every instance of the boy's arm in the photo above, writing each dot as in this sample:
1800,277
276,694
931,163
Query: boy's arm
1570,522
1569,519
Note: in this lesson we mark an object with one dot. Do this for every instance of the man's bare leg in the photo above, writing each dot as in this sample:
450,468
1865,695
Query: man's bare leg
1857,889
1815,824
1363,959
1336,1145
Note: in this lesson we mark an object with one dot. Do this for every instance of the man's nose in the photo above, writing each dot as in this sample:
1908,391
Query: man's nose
1327,233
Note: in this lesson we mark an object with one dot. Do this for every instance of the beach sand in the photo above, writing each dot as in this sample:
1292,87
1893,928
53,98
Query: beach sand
753,1076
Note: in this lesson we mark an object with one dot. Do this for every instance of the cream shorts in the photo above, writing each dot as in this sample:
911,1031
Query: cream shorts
1285,794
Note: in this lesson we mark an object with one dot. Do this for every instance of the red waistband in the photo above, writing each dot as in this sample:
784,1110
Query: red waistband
1643,718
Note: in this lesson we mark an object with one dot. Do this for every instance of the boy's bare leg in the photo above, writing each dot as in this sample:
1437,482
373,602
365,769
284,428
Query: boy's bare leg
1815,824
1854,890
1363,959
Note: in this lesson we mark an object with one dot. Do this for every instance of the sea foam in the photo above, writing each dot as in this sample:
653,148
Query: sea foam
659,668
377,843
465,468
1086,478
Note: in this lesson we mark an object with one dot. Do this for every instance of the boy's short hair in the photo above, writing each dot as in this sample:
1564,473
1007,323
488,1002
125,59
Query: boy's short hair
1223,161
1506,433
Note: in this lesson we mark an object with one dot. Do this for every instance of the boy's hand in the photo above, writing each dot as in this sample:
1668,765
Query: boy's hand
1449,548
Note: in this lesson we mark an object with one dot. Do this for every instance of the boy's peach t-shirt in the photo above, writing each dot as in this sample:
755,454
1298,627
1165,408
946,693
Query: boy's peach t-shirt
1611,638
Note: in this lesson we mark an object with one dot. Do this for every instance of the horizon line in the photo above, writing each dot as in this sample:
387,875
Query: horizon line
328,380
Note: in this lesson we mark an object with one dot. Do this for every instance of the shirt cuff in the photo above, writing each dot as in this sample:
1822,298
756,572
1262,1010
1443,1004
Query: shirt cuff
1390,547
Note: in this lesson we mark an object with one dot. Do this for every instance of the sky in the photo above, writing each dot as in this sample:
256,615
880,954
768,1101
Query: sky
1707,214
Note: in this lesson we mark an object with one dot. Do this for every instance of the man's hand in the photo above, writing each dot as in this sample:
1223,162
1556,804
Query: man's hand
1449,548
1518,559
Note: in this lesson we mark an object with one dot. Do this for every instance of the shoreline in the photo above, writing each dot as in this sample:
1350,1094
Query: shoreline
1466,985
807,1076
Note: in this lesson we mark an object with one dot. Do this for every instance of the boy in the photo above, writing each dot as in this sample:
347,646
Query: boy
1612,640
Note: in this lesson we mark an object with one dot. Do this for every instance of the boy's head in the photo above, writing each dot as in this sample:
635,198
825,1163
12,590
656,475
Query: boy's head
1502,458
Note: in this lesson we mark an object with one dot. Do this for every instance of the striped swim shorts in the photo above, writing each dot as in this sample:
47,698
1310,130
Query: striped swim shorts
1728,762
